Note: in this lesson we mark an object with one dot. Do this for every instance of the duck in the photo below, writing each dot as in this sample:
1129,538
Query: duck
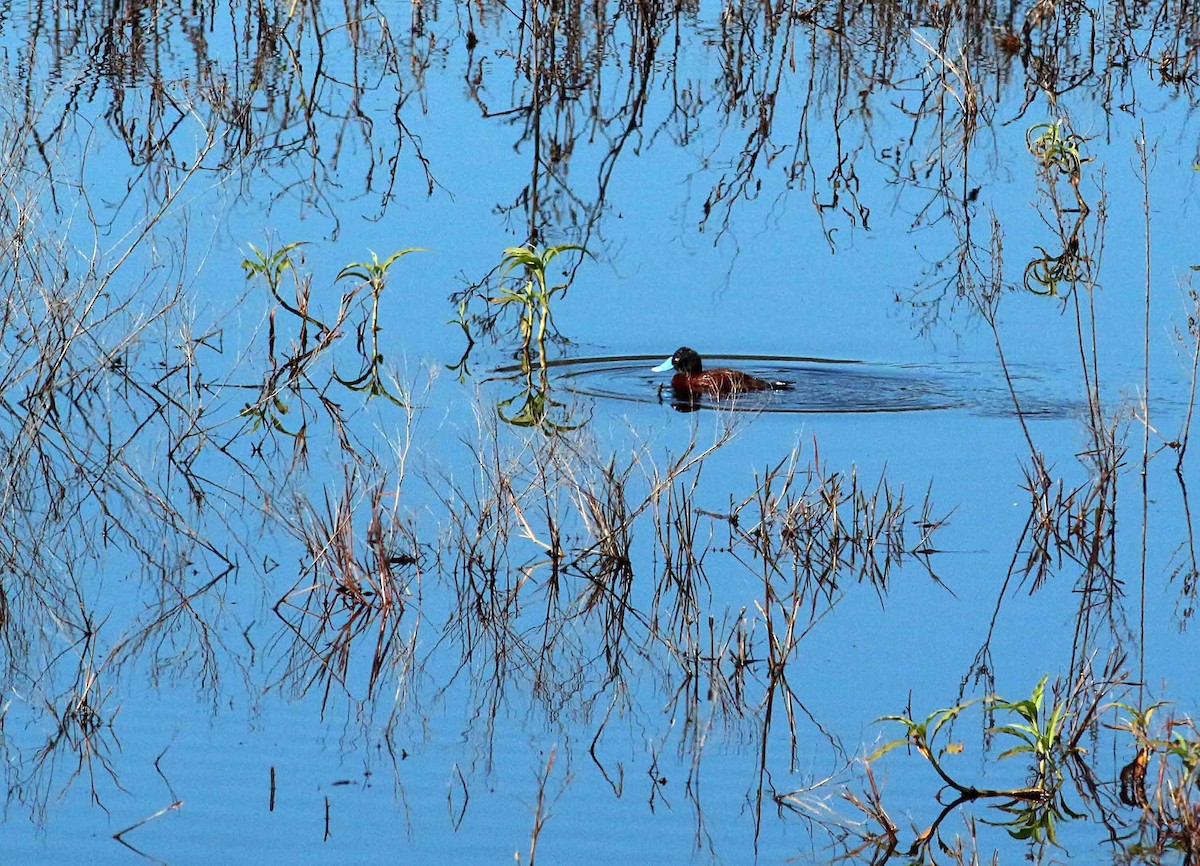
692,379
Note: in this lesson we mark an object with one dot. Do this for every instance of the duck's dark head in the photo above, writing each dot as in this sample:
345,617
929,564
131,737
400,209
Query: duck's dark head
684,360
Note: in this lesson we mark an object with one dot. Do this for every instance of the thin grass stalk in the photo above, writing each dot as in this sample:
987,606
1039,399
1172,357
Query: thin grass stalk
1145,165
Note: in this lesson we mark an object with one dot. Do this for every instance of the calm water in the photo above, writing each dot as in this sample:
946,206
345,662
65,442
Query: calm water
301,568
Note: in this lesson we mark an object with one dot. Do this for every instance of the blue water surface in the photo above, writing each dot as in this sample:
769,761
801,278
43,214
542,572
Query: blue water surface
803,194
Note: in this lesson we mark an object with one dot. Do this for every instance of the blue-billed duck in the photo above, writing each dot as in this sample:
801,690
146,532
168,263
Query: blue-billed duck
691,378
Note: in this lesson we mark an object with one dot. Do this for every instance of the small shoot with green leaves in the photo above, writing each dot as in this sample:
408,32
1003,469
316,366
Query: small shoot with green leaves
271,266
531,294
1055,147
1039,732
372,275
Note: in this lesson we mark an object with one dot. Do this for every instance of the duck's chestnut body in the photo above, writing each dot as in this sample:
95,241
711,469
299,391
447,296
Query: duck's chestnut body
691,378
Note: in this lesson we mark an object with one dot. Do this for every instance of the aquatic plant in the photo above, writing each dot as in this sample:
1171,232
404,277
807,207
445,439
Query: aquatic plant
269,411
1162,780
534,407
1039,731
1056,148
372,275
1046,272
462,368
531,295
271,265
290,369
294,370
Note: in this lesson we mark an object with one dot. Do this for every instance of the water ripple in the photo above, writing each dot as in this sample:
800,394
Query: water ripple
819,385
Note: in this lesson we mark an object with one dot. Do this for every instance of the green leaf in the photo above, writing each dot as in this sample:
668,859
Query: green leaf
887,747
1015,750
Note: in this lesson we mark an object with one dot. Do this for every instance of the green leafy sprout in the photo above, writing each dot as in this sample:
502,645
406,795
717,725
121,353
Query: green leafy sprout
532,295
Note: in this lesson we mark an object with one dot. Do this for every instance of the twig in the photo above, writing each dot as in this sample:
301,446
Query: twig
177,804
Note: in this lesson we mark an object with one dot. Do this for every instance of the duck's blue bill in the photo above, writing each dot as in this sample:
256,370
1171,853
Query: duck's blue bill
663,367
